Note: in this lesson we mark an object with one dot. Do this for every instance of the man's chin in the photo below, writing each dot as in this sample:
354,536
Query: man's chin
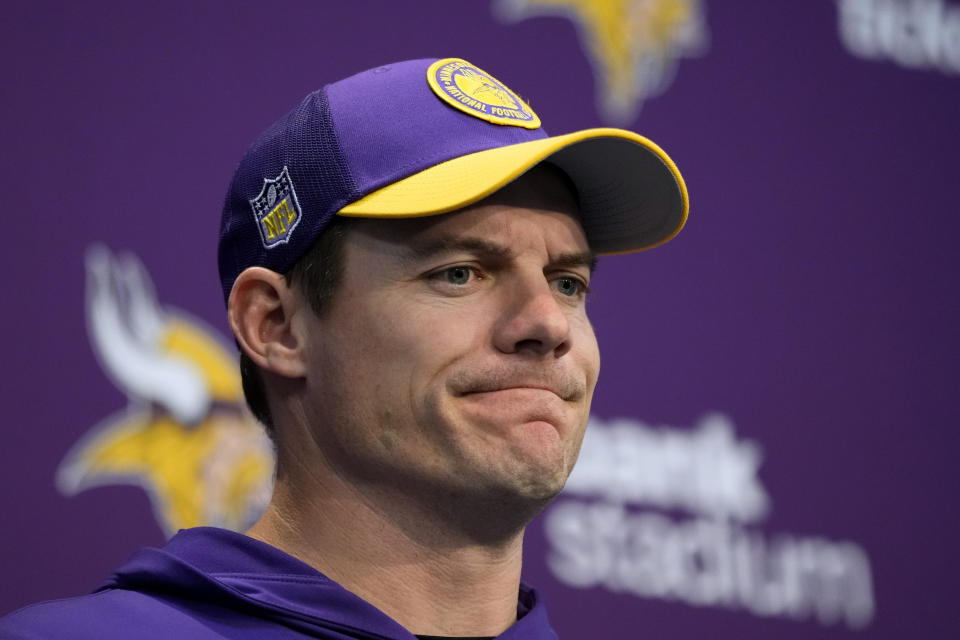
501,510
542,488
529,484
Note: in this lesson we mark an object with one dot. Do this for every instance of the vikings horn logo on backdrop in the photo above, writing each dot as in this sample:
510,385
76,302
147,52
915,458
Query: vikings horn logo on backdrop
185,435
633,45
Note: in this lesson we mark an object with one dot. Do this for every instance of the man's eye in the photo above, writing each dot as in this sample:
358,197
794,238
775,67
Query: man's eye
570,286
457,275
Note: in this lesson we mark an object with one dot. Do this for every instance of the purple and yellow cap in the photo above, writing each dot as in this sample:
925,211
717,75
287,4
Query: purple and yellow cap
426,137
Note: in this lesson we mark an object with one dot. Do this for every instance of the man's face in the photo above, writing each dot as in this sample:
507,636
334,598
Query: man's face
456,355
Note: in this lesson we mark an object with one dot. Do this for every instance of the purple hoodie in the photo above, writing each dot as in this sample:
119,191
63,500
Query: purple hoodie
212,583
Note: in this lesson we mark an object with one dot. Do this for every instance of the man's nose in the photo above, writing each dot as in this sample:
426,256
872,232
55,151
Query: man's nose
533,320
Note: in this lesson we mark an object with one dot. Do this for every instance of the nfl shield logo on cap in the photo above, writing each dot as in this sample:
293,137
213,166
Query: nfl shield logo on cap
276,210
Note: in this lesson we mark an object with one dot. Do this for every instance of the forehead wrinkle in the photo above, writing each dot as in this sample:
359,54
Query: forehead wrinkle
478,231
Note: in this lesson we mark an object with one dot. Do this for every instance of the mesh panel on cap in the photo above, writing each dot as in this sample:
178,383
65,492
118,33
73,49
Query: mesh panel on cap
303,141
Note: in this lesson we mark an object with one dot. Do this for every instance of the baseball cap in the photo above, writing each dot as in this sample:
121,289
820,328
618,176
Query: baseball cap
426,137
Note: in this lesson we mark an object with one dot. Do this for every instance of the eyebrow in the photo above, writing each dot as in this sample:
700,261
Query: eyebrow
492,250
451,244
584,259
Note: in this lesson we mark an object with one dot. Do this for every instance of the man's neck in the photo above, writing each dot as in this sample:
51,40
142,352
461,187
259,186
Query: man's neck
401,557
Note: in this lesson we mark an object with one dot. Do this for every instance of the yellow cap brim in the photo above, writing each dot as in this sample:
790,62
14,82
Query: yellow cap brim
631,194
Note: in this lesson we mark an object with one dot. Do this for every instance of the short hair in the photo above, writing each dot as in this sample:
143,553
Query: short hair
317,274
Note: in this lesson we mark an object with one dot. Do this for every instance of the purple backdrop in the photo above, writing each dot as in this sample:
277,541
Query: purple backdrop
790,357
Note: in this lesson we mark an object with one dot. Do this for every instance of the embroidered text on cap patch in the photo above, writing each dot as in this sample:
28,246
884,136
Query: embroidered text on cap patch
474,91
276,209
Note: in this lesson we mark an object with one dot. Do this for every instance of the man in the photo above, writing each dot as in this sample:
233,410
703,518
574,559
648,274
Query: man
405,259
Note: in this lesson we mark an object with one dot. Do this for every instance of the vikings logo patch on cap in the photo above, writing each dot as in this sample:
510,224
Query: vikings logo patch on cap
474,91
277,210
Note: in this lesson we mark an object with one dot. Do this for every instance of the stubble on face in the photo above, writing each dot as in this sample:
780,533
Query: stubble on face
469,396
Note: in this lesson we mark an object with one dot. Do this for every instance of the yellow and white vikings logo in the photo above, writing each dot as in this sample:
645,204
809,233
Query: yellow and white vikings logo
633,44
185,435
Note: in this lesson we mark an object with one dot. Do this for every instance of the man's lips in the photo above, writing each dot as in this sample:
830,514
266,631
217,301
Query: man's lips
563,384
519,387
518,404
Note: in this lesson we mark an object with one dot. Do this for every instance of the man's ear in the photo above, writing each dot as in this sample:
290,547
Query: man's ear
261,309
